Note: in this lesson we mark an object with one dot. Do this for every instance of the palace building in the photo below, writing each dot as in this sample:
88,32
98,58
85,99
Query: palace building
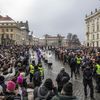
12,32
93,29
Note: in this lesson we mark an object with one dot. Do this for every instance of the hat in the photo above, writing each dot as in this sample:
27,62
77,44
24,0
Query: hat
62,69
11,85
48,84
22,74
20,80
68,88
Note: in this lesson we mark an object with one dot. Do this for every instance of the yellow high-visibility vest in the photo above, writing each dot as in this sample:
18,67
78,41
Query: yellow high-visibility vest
98,69
41,71
31,69
78,60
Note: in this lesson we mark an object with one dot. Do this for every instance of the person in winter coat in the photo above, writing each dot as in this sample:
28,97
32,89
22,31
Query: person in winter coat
66,93
10,93
45,91
2,83
62,78
73,66
87,81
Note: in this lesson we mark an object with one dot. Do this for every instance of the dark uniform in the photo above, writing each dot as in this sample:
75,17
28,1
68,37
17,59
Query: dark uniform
61,79
87,81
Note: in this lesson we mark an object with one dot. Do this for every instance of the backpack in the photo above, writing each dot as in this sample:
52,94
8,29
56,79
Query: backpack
24,92
73,61
37,75
64,77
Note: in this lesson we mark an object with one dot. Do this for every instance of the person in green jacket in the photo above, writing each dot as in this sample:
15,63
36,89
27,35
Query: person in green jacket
66,93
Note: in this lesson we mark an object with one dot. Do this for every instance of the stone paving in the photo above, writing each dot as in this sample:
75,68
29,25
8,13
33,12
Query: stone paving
77,84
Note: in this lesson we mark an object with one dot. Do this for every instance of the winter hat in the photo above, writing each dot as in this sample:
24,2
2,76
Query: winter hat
68,89
22,74
48,84
20,80
62,69
11,86
1,89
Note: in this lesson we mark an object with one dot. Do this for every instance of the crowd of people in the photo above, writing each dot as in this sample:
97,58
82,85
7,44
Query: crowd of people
85,61
13,71
19,71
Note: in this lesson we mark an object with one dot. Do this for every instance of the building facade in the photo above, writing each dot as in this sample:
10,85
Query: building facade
24,32
12,32
54,41
93,29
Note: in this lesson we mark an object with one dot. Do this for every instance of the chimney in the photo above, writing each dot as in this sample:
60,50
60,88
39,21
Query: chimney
91,12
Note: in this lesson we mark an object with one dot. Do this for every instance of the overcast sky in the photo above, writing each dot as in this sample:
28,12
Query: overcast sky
51,16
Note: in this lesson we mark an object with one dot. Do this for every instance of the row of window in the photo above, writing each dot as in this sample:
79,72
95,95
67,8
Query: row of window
93,37
94,24
7,30
93,44
7,36
6,24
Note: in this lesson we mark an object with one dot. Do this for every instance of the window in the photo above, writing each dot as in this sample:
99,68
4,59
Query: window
93,28
87,37
97,24
11,23
2,36
87,44
2,23
88,28
11,30
93,44
2,30
97,36
7,35
7,24
11,35
7,30
93,37
97,44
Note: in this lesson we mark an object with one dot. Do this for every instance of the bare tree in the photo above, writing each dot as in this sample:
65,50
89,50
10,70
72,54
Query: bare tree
73,40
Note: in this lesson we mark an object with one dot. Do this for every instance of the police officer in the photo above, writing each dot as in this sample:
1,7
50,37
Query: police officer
78,63
97,71
87,81
41,70
31,67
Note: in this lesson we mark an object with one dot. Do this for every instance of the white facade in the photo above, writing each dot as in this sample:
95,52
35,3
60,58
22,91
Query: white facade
93,29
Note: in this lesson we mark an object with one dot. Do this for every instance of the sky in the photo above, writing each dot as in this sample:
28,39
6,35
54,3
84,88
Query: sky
51,16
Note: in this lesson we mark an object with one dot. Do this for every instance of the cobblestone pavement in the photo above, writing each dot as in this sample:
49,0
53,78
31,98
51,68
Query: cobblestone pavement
77,84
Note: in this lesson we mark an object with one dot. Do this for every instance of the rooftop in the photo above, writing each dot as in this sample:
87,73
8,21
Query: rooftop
6,18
